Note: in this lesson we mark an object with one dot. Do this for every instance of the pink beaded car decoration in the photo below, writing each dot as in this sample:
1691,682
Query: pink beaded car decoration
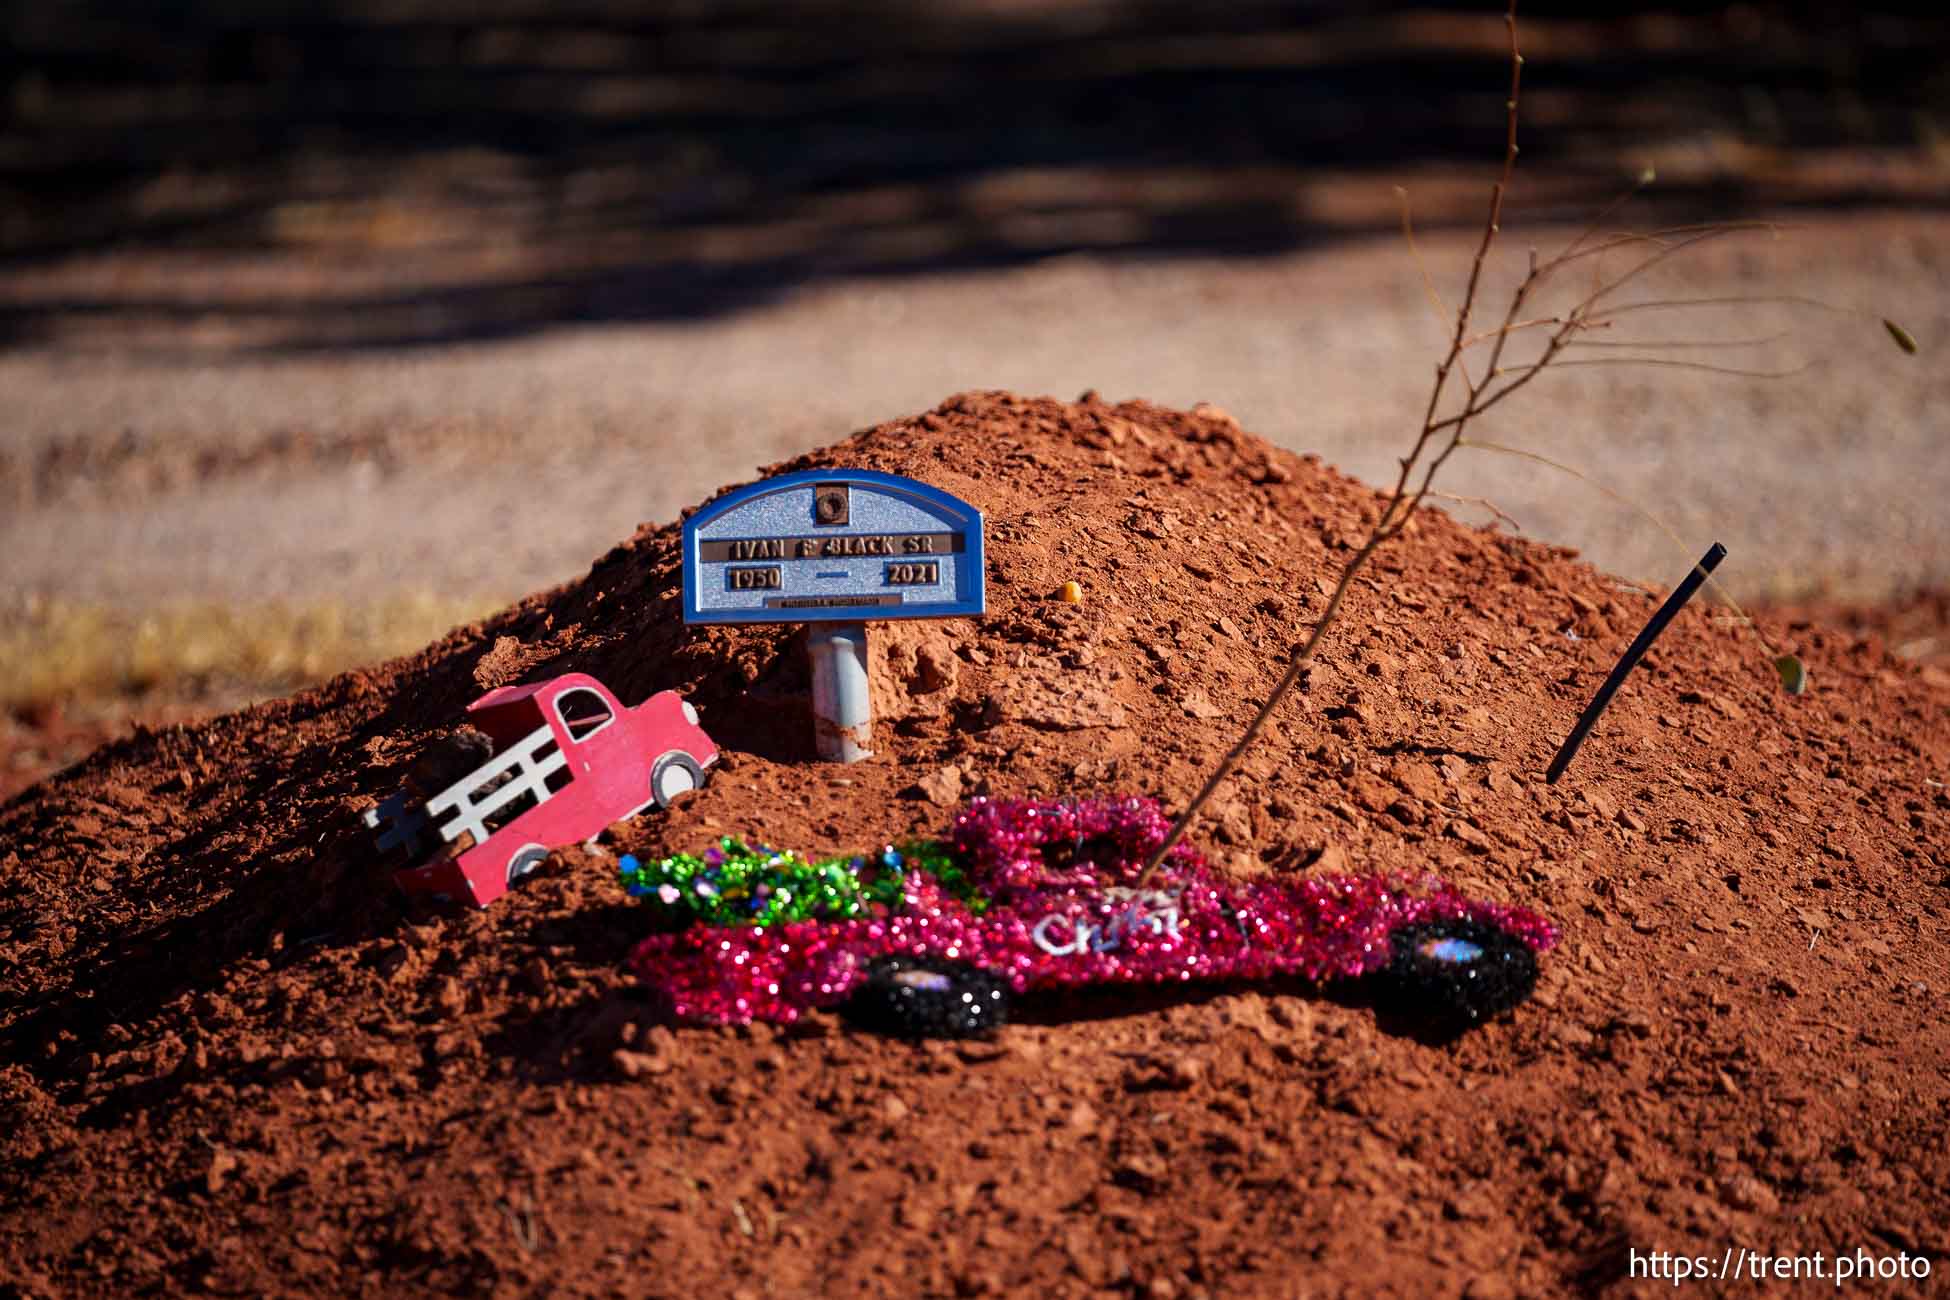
1038,895
539,767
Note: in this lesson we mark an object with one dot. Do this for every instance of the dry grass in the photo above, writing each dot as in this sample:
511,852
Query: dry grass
55,653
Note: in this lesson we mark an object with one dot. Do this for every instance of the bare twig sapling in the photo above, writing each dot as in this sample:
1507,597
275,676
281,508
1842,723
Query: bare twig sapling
1566,335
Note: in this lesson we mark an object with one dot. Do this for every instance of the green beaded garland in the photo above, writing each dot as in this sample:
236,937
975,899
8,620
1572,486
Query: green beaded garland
735,883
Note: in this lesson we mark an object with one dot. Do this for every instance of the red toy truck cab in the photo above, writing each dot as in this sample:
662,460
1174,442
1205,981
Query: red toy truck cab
567,761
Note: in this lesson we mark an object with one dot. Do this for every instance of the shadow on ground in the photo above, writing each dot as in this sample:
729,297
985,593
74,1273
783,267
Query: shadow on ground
436,175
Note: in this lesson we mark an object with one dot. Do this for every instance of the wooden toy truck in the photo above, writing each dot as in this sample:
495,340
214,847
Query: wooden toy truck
568,760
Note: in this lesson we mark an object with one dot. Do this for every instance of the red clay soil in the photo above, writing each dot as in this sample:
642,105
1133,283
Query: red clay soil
1914,626
235,1063
38,742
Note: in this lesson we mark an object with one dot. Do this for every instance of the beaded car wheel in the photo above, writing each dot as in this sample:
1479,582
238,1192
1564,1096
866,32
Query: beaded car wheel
1457,972
928,997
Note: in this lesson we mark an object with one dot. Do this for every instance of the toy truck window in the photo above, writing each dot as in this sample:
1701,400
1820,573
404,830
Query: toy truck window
583,712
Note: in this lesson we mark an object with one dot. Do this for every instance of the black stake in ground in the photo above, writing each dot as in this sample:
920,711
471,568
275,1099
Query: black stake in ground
1674,603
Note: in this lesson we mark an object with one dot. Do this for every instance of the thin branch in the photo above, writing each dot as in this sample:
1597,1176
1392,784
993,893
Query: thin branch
1484,502
1681,344
1637,509
1428,281
1665,254
1516,328
1414,251
1645,178
1665,363
1401,502
1742,300
1662,239
1524,374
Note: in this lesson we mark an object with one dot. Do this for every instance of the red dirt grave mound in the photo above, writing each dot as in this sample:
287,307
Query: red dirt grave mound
233,1061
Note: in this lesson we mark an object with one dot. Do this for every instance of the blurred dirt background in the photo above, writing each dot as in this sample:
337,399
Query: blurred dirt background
325,327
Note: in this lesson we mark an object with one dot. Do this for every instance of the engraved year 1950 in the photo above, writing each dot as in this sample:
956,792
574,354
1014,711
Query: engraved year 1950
756,579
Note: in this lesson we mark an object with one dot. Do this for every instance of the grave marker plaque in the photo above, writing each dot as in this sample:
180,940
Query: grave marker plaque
834,548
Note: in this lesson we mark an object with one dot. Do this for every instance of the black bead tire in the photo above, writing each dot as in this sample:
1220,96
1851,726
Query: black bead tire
1456,973
928,997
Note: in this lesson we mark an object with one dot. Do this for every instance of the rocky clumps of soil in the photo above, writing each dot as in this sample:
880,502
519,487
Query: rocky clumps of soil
233,1062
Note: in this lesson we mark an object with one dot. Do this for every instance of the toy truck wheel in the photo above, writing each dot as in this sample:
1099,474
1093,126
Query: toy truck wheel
674,774
524,862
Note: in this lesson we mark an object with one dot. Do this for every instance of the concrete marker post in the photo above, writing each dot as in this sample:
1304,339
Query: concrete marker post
842,702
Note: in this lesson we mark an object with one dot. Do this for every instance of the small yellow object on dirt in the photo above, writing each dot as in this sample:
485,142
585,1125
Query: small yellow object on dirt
1071,593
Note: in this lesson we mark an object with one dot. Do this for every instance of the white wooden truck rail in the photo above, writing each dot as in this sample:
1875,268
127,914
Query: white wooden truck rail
471,814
